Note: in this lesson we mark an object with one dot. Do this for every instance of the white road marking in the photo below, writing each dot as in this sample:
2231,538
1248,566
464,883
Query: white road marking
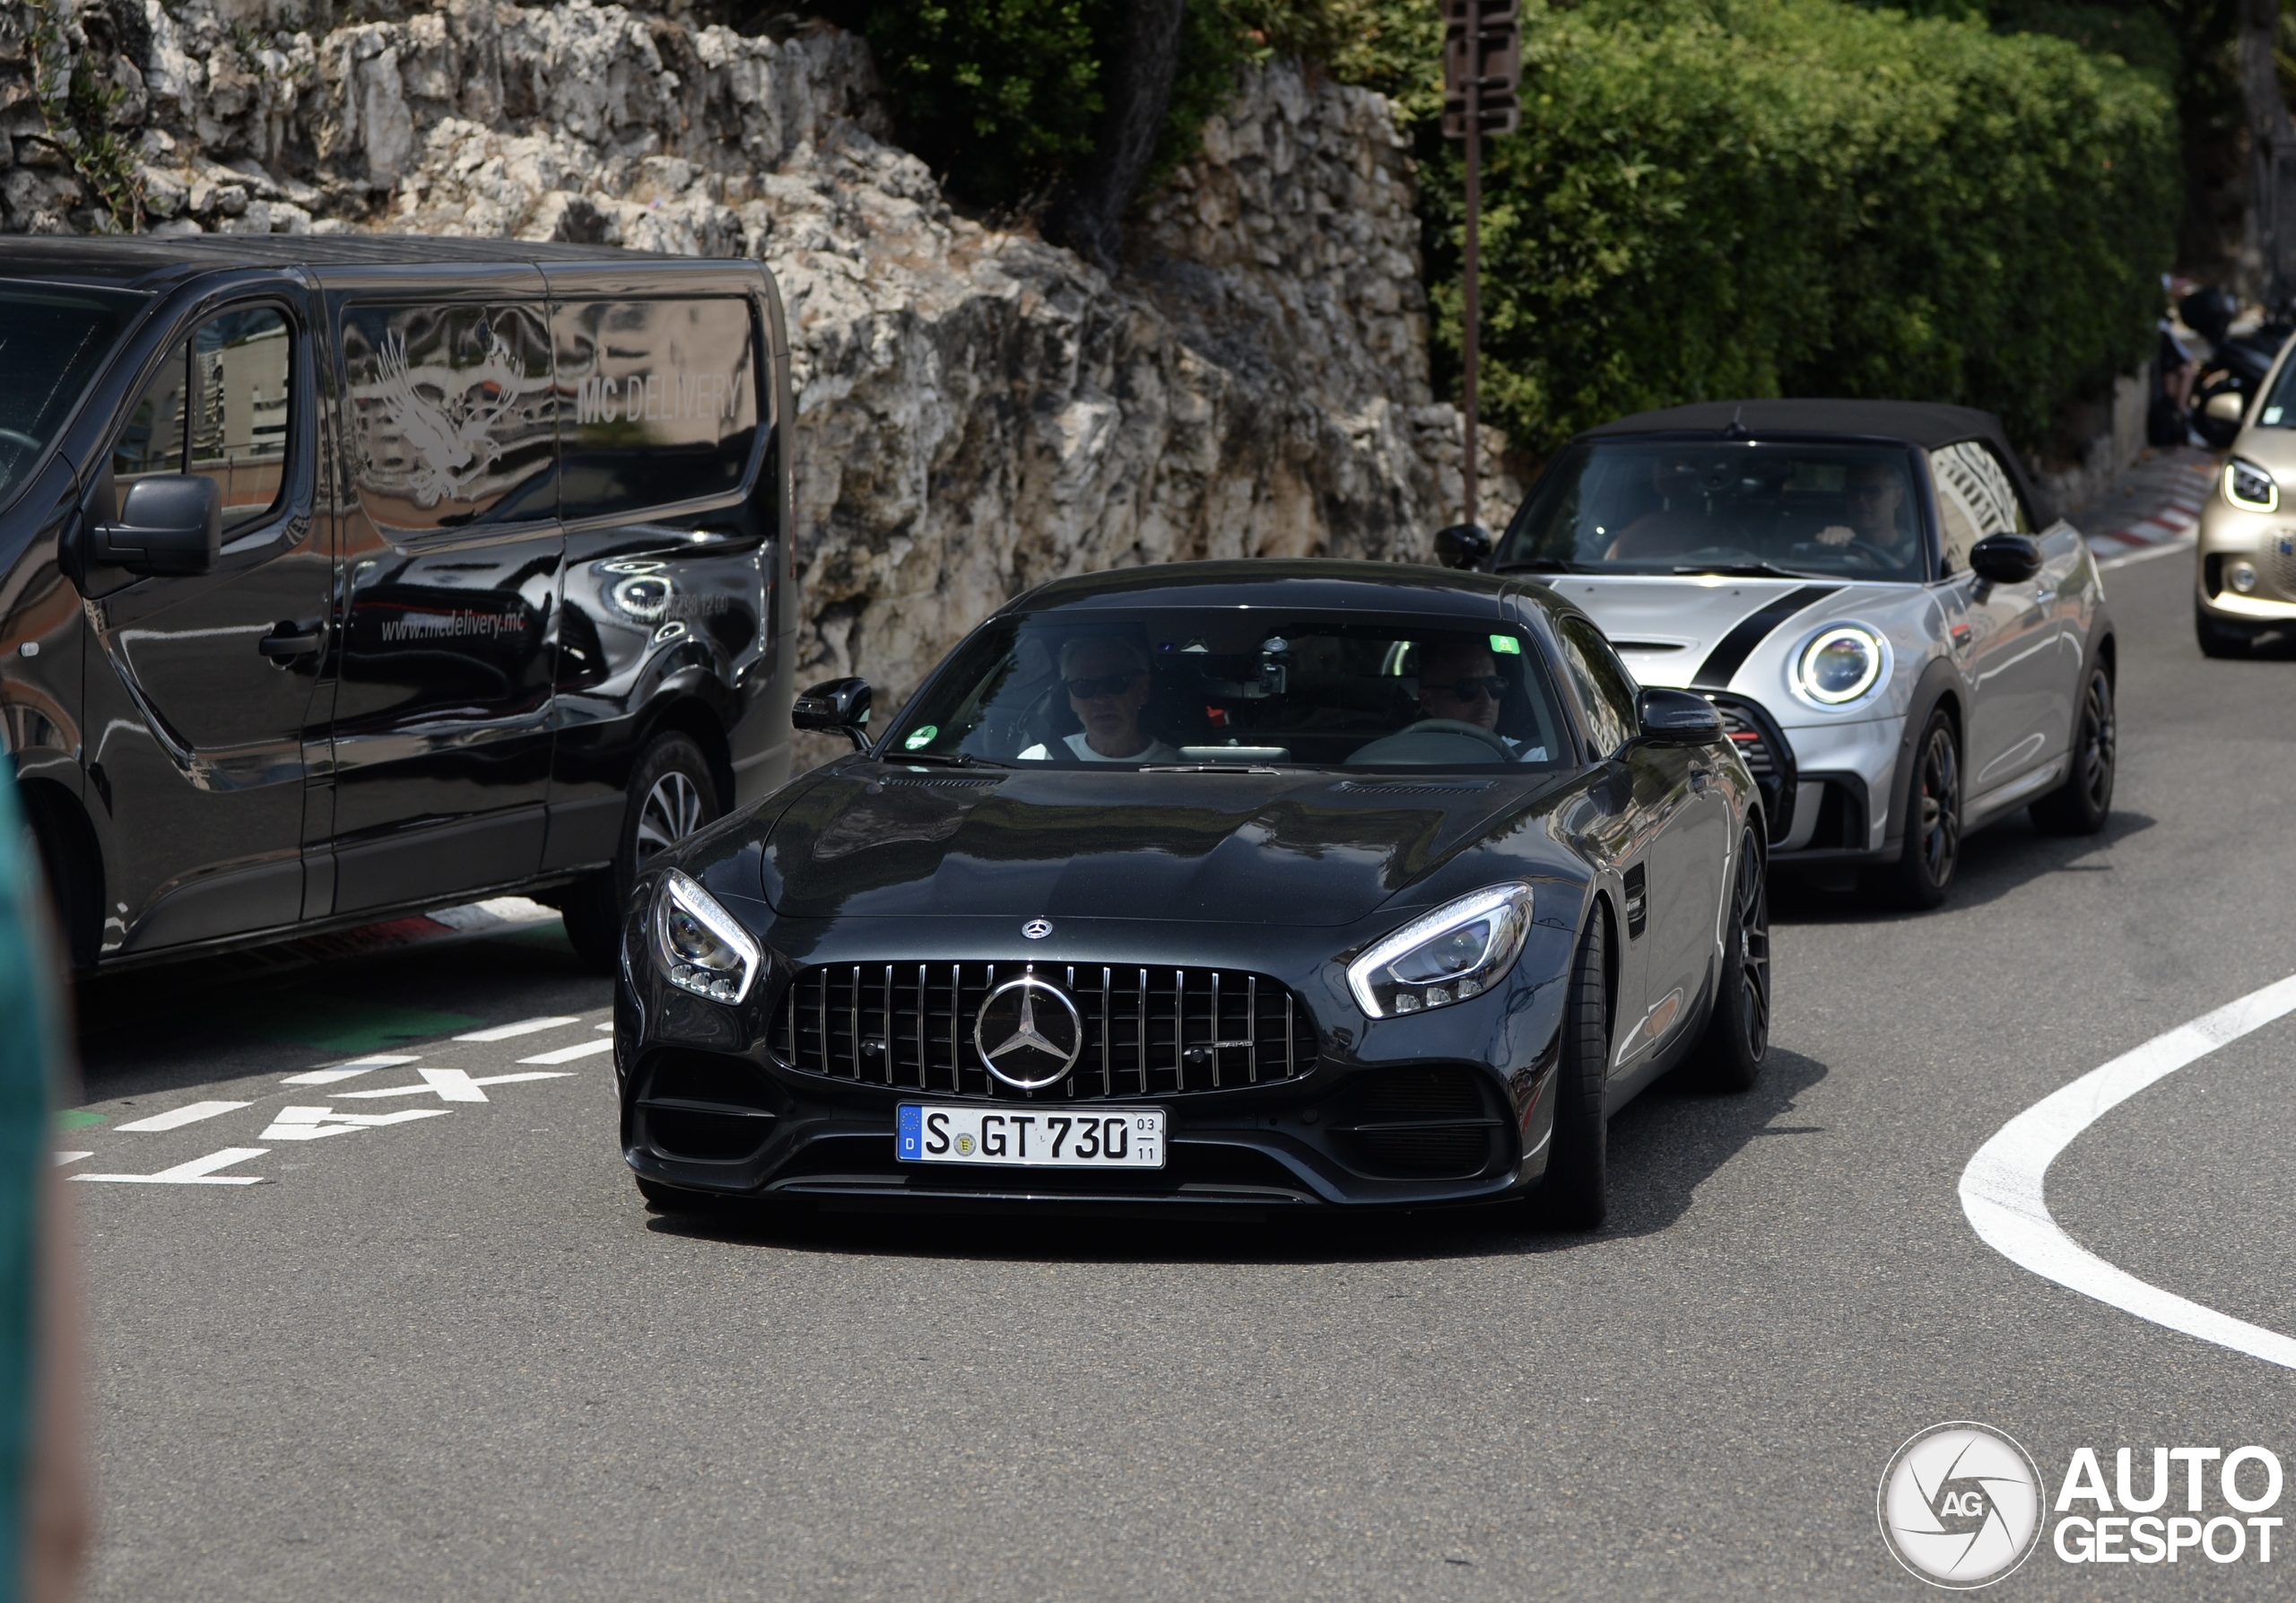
2003,1189
525,1026
2146,555
606,1028
313,1124
351,1070
460,1082
580,1049
199,1171
174,1118
63,1158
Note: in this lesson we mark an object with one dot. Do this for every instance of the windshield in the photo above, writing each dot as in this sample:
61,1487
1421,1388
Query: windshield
53,341
1646,506
1228,687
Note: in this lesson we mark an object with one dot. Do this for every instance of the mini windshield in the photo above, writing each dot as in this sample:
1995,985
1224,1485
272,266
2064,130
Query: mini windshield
53,343
1228,687
1750,507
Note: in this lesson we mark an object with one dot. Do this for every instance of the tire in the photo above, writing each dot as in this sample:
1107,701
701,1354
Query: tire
1924,871
671,795
2081,804
2215,639
1738,1031
1575,1194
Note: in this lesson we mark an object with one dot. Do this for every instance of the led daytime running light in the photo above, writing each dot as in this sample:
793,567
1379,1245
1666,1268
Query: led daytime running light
2251,487
713,957
1508,909
1807,667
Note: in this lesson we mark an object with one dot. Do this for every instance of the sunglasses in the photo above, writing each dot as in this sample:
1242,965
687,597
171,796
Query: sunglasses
1104,684
1491,688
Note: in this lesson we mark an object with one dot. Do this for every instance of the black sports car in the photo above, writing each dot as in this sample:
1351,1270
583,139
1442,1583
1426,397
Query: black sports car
1265,884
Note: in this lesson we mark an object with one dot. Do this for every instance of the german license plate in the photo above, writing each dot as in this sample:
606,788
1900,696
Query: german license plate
1101,1138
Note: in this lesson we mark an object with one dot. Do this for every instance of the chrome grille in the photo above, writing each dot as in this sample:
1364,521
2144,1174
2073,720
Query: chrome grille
1748,738
1148,1032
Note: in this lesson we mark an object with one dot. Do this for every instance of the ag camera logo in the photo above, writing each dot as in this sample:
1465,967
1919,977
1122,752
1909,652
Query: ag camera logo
1961,1505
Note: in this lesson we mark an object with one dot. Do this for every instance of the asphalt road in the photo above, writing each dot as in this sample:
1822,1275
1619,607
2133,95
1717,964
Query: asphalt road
454,1357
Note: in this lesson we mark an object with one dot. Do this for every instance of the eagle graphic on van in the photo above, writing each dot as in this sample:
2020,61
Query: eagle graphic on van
452,439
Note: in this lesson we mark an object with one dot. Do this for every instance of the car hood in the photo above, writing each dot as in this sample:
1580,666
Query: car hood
1668,628
878,840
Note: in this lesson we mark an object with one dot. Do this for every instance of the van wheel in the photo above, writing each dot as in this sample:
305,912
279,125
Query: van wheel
2081,805
671,796
1576,1193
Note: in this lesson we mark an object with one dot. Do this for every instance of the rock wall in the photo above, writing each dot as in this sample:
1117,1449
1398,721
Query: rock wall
978,410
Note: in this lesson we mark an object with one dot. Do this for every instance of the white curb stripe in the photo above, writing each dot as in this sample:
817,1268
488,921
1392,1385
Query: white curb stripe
2003,1187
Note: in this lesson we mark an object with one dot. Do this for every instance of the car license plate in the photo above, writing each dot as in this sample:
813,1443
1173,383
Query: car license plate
1039,1138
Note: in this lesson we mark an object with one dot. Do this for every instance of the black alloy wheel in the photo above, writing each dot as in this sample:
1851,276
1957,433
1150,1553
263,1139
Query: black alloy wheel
671,796
1575,1192
2219,639
1737,1032
2081,804
1923,870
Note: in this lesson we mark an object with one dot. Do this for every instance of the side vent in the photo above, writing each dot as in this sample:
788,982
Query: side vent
1638,900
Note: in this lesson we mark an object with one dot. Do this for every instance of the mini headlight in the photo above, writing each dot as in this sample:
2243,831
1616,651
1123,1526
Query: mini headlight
1456,951
698,944
1840,664
2251,487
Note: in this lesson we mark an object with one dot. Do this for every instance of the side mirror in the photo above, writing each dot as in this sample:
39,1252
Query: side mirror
2005,559
839,706
1677,717
1462,545
2224,406
171,523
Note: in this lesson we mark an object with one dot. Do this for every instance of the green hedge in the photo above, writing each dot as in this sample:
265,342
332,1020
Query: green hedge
1758,198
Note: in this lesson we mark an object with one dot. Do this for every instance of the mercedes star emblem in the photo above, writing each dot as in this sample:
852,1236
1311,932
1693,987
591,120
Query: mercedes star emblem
1038,1032
1036,930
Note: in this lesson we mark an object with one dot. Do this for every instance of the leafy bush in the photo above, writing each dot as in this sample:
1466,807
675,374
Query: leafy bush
1752,197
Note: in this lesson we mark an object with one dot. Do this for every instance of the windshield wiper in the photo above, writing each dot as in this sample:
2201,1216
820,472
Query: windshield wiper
1746,571
1542,564
944,759
1207,768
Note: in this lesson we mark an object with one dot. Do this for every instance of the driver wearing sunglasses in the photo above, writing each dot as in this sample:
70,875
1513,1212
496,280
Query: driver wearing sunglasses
1460,680
1106,678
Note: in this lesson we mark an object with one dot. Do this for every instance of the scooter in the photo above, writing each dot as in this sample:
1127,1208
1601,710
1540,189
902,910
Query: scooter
2234,373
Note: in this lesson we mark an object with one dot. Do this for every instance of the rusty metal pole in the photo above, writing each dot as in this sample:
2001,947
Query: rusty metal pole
1471,319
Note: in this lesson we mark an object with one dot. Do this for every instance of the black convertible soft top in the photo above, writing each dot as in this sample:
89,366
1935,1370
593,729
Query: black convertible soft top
1926,423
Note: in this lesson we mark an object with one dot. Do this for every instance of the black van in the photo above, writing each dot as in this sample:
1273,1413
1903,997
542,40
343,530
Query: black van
345,577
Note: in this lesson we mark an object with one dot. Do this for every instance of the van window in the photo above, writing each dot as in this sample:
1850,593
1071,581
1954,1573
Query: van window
451,415
152,440
242,377
663,396
53,341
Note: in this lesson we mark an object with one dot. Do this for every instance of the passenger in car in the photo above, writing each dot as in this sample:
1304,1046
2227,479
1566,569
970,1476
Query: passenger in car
1106,678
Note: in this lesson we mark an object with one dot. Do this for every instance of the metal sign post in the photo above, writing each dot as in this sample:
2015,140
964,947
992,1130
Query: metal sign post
1483,70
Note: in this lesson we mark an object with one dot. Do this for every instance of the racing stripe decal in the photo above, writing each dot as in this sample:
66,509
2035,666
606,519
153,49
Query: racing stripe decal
1724,661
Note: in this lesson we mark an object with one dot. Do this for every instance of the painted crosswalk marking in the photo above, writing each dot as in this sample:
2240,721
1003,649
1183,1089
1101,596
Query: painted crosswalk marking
580,1049
352,1069
453,1085
313,1124
525,1026
63,1158
174,1118
199,1171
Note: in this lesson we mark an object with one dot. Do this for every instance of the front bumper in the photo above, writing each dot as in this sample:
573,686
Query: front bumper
1841,775
2265,543
1447,1107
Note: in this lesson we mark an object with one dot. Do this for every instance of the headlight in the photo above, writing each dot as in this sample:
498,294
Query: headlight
1840,664
2251,487
1454,953
698,946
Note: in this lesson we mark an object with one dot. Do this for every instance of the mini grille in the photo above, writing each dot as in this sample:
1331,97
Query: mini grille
1148,1032
1748,739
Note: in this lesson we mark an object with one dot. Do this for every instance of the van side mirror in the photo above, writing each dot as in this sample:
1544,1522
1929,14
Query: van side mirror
1676,717
2224,407
171,523
2005,559
1462,545
838,706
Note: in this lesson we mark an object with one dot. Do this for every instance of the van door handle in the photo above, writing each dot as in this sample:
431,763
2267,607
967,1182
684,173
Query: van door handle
285,642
